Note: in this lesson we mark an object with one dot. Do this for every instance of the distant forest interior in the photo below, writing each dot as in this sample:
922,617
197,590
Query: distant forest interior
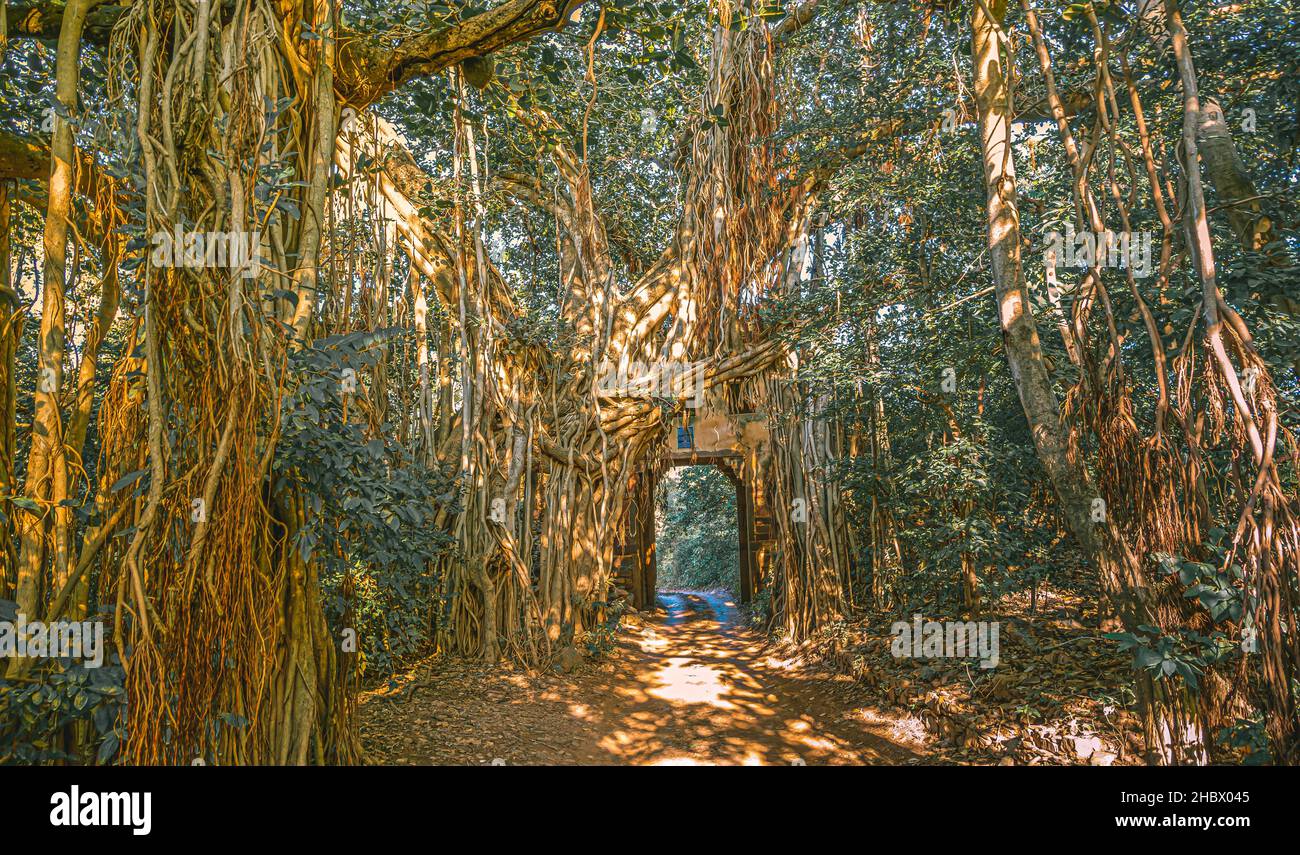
696,530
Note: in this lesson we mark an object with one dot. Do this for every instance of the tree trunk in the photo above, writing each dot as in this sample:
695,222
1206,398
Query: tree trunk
47,473
1089,523
11,327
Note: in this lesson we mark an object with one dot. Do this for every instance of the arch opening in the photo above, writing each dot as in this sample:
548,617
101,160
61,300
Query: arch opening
697,530
638,558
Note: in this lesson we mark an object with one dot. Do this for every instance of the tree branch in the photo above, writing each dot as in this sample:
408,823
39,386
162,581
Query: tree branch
371,65
41,19
23,158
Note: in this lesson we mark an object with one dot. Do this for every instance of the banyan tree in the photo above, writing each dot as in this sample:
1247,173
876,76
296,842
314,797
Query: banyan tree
371,292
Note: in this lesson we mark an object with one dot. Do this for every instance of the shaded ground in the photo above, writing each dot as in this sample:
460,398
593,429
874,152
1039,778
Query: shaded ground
1058,695
689,687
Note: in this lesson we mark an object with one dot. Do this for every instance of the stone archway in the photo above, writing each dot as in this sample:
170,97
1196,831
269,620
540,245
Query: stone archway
732,443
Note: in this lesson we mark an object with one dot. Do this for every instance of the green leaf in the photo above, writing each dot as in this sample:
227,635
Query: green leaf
126,480
107,748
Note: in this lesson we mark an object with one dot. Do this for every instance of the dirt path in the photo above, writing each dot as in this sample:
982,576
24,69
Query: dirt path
690,687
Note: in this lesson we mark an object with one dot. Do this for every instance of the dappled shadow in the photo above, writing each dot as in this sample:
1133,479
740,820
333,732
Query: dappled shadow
689,687
697,688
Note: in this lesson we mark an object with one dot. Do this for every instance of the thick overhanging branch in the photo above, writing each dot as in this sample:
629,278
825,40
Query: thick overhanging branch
41,20
797,19
370,64
373,64
23,158
28,159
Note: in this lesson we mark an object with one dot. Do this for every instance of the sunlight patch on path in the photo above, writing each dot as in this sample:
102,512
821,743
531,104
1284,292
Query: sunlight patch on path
693,688
682,680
